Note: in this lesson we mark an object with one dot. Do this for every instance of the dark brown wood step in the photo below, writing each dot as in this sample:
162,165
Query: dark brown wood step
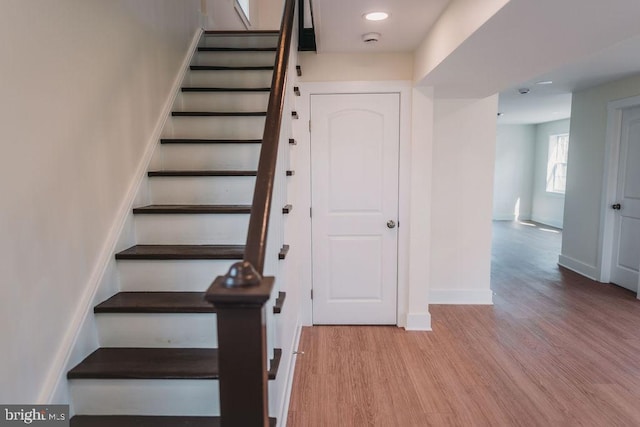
283,252
279,302
218,114
209,141
156,302
148,363
175,173
155,363
182,252
193,209
241,32
226,89
147,421
236,49
224,68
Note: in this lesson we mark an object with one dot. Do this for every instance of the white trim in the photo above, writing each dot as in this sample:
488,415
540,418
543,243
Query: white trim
284,407
552,222
418,322
403,88
609,184
461,296
57,372
589,271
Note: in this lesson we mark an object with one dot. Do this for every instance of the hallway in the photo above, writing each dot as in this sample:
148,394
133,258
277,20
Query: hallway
555,349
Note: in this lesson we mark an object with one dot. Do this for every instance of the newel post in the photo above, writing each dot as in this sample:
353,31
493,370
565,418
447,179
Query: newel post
239,298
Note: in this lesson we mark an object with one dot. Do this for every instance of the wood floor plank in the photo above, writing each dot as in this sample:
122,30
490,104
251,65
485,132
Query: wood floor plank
555,349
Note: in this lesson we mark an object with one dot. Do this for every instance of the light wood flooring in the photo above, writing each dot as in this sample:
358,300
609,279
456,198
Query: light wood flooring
555,349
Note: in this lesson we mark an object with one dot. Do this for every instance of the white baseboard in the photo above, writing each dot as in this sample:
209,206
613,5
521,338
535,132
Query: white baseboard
461,296
504,217
284,409
56,377
418,322
579,267
548,221
511,217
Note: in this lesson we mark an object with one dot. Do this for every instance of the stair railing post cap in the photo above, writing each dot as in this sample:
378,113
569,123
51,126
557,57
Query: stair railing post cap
241,274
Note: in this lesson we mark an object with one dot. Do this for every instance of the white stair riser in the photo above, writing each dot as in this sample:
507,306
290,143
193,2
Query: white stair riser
232,59
233,78
229,190
210,156
145,397
182,330
170,275
192,229
215,127
240,41
222,101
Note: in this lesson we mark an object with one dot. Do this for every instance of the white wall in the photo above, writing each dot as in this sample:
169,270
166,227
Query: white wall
324,67
458,21
585,173
548,208
461,205
83,86
513,178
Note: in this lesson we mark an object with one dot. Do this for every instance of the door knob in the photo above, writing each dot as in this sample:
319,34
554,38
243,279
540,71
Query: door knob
616,206
391,224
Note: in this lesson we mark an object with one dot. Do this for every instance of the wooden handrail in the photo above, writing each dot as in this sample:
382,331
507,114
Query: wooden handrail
262,197
240,295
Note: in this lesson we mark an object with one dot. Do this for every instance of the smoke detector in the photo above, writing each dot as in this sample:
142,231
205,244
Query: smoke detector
523,90
371,37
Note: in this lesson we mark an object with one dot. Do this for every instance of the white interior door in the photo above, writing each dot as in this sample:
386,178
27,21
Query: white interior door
626,240
354,173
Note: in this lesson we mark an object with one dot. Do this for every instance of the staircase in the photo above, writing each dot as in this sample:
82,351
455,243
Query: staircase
158,360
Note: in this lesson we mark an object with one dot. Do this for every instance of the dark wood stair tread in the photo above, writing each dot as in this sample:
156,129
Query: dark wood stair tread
201,173
241,32
230,68
182,252
283,252
147,421
236,49
279,302
209,141
156,302
218,114
226,89
155,363
148,363
193,209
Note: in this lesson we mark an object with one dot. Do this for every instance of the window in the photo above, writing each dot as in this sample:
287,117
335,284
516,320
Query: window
557,163
243,6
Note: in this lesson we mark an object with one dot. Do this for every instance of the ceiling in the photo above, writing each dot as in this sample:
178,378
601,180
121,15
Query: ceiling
545,103
340,25
574,43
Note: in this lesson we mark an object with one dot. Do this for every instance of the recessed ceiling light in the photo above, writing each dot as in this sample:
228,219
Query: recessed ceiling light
376,16
545,82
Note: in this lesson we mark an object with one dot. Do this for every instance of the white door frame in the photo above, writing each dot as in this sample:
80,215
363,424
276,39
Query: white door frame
303,171
610,183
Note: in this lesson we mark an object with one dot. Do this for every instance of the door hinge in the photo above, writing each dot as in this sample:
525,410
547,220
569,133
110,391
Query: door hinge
309,126
311,293
310,213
